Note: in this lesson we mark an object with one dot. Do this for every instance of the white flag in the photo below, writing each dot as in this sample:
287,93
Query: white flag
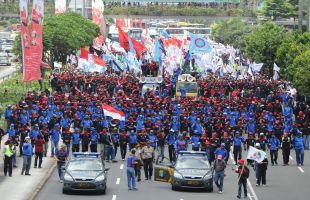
256,154
256,67
276,70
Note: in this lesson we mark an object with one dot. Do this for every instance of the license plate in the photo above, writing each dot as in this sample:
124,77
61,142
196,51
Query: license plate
83,185
193,182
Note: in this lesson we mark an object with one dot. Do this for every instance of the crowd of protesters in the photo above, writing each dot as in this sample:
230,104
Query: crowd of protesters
227,113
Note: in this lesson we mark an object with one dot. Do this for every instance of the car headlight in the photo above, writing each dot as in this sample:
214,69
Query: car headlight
100,178
177,175
207,176
67,177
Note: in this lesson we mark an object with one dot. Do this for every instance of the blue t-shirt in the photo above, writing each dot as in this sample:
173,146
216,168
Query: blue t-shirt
130,161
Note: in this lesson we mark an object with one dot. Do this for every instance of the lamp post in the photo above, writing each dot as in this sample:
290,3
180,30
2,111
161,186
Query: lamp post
300,9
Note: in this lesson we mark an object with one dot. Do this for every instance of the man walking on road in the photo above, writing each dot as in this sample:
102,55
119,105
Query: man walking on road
243,174
8,151
261,169
274,144
298,143
27,155
148,155
219,168
286,148
131,177
61,156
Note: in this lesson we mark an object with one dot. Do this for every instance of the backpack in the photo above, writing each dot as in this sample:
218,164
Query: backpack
246,172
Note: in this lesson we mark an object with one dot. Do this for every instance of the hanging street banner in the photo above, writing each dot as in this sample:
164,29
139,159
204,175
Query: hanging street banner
60,6
97,16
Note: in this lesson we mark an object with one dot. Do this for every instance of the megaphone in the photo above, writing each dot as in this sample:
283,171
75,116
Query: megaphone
183,77
159,79
142,80
190,78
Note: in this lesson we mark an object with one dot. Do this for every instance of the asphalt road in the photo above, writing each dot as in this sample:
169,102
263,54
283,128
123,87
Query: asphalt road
283,182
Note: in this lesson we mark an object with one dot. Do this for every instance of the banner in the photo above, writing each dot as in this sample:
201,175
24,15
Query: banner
97,16
31,41
256,154
60,6
33,72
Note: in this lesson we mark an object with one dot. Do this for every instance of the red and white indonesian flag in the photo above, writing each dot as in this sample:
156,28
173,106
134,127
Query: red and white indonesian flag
112,112
90,62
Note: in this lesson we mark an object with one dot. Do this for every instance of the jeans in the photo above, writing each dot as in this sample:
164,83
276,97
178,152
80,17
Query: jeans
8,165
237,153
208,151
274,156
67,147
75,148
219,179
93,148
123,148
131,177
109,153
244,184
286,156
260,176
40,156
148,168
306,141
54,147
45,148
299,156
26,164
161,152
14,159
59,165
171,151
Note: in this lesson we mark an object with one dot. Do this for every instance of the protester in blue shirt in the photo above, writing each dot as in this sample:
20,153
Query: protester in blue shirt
298,144
238,141
273,144
76,140
27,155
94,138
131,175
55,137
221,151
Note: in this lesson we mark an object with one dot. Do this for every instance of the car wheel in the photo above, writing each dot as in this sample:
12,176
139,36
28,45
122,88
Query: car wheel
64,191
174,188
102,191
209,189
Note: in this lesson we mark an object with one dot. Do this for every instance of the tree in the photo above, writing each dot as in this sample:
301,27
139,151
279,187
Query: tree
279,8
299,73
262,44
231,32
294,45
62,34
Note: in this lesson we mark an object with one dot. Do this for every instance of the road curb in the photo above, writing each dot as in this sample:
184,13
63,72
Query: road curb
39,187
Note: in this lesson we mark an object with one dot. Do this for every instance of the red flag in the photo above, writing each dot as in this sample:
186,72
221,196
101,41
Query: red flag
123,39
139,47
120,22
97,60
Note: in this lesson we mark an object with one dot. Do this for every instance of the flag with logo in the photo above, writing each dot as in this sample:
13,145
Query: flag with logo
199,44
256,154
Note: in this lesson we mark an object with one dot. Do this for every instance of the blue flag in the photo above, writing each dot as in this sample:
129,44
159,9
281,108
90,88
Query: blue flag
157,52
165,34
131,48
199,44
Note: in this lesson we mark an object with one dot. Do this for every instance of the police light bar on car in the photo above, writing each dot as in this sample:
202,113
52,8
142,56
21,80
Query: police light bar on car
86,155
196,153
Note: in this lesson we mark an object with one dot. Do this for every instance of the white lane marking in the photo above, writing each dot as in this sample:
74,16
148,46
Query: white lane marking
122,166
114,197
181,199
300,169
291,158
118,180
232,158
252,190
250,197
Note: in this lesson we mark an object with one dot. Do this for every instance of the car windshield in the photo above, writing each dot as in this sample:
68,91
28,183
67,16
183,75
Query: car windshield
85,165
192,162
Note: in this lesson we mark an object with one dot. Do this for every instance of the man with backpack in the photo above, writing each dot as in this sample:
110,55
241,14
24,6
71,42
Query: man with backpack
243,174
